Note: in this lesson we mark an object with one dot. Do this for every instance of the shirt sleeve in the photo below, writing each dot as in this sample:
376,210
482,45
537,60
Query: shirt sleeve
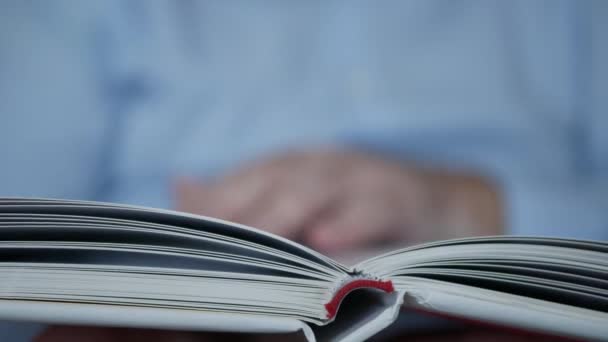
557,209
550,166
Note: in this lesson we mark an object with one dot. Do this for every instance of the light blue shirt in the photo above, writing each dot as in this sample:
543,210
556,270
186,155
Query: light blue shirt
112,100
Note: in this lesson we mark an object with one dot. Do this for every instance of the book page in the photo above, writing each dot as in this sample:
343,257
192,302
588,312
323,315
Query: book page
551,285
474,304
140,317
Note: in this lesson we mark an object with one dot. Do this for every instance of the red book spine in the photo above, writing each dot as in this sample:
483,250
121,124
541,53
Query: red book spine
334,303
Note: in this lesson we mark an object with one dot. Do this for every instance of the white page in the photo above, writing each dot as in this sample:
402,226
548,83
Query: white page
139,317
503,309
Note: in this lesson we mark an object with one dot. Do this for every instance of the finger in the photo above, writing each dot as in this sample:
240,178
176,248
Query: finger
241,195
233,197
357,223
304,186
291,206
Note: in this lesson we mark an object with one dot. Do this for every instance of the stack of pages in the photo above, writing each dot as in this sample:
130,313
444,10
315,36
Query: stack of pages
105,264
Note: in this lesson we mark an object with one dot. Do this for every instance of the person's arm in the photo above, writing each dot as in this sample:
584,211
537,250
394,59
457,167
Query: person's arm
546,151
575,205
529,176
445,162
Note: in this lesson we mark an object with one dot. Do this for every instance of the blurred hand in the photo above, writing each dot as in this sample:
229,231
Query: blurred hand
335,200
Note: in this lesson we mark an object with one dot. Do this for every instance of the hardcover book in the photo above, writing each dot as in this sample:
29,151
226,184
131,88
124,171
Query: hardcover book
75,262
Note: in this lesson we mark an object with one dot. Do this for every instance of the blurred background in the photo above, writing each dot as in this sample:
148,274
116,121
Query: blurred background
344,125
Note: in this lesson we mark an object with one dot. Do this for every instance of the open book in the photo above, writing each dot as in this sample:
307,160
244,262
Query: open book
94,263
